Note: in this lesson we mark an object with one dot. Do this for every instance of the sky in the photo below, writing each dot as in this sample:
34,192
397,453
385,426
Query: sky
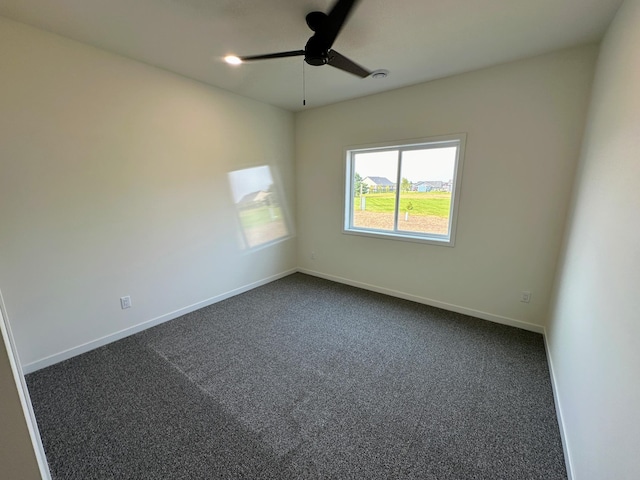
417,165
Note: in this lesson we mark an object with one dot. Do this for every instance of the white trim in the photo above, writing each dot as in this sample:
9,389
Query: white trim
23,393
512,322
559,415
99,342
404,237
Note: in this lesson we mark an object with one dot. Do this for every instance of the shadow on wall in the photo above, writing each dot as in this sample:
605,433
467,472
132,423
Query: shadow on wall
262,215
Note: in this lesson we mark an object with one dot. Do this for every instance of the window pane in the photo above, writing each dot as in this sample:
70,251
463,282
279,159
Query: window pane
374,187
425,190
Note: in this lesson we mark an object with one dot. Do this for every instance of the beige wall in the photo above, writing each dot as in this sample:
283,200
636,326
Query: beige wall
524,122
595,319
114,182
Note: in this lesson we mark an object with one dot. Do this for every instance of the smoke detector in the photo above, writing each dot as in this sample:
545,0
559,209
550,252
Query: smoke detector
379,74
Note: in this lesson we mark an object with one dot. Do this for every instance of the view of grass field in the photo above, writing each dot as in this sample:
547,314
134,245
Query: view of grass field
424,203
428,212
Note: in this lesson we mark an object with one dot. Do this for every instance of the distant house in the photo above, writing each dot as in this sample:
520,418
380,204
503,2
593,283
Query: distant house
379,184
430,185
255,199
427,186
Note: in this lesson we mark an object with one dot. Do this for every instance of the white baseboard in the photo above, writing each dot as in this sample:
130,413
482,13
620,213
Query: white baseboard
99,342
428,301
559,415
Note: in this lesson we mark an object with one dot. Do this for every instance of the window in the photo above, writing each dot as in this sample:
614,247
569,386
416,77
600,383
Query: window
408,190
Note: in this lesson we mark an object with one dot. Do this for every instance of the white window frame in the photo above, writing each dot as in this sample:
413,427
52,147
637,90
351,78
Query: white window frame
457,140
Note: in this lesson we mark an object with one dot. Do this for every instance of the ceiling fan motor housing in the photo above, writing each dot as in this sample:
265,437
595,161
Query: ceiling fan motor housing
316,53
317,48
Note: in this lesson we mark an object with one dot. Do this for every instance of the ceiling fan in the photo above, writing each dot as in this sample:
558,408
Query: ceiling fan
318,49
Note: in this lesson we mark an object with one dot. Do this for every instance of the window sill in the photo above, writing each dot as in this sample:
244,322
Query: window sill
440,240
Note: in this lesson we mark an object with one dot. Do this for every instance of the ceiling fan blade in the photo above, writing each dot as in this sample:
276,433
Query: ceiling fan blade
343,63
336,18
293,53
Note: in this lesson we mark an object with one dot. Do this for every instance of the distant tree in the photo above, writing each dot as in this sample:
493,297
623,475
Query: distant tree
359,186
408,208
405,186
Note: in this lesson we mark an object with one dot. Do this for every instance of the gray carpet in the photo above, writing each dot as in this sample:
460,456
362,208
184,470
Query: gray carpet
305,378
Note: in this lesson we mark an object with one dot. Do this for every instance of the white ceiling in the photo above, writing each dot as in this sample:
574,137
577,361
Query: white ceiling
416,40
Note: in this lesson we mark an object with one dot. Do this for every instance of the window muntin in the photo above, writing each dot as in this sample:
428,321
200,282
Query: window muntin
408,191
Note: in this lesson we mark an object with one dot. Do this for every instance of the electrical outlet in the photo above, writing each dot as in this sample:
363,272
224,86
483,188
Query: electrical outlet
313,255
525,297
125,302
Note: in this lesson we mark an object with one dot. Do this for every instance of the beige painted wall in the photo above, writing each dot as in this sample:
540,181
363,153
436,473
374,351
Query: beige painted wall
114,182
524,123
595,319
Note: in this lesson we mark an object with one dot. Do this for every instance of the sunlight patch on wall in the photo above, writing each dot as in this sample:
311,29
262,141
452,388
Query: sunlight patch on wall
261,212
